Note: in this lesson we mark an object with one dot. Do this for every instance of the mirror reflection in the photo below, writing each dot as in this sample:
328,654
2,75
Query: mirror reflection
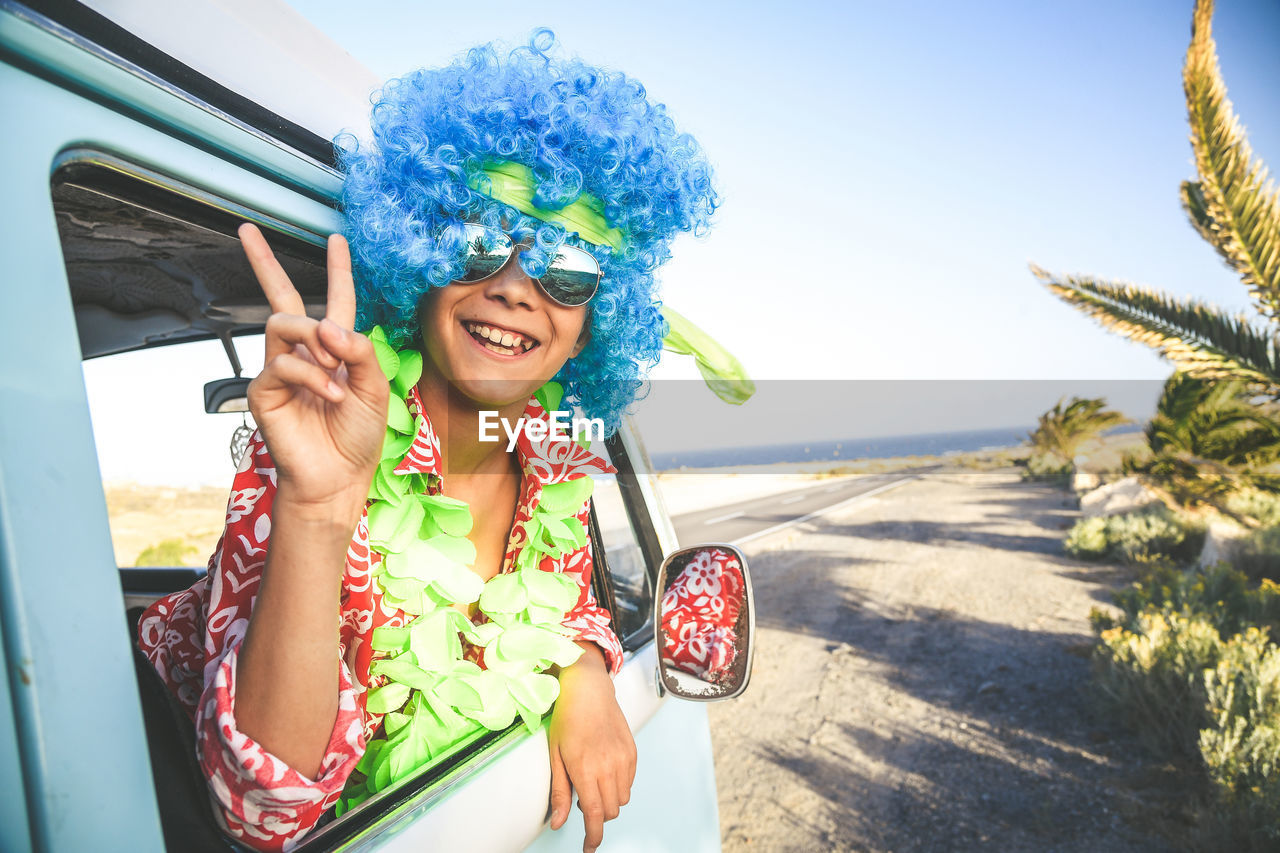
704,623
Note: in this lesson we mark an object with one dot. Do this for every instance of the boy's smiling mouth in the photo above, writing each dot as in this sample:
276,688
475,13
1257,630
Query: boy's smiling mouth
498,339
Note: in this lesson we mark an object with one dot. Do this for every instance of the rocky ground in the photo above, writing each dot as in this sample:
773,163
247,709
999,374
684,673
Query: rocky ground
921,683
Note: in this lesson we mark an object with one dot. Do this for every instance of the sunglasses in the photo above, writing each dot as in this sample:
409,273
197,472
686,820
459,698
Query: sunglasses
571,278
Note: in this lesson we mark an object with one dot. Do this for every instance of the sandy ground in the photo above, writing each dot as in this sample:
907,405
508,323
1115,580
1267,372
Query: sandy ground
921,683
143,516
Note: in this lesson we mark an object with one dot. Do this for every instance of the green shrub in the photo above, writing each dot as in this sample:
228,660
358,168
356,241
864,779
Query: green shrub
1241,743
1262,507
1153,675
1087,538
170,552
1258,555
1150,535
1220,595
1189,664
1049,468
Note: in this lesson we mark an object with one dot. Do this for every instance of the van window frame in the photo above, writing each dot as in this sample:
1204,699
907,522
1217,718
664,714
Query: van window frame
92,31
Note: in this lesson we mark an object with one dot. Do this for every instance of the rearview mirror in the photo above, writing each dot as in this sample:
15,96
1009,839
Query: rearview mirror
227,395
704,623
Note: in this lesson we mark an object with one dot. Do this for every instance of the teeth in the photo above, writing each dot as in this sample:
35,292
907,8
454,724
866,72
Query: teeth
507,343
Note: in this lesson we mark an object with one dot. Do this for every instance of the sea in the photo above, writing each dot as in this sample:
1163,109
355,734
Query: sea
884,447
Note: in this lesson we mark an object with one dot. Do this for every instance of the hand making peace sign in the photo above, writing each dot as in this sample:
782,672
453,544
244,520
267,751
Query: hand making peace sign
321,399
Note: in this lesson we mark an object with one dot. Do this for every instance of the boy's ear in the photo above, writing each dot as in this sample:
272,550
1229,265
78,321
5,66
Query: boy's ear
584,338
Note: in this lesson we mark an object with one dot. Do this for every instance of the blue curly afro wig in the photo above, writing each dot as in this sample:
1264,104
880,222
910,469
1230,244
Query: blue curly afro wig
581,129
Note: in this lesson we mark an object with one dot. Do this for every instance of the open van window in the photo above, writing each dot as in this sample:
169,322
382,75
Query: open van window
152,263
160,286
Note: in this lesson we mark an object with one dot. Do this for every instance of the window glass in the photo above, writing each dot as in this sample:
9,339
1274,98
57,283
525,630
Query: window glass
628,574
166,465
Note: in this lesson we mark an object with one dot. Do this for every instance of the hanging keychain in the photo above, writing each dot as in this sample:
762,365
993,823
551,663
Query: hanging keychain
240,440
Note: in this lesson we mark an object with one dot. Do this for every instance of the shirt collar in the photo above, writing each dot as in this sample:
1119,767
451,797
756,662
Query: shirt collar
546,460
423,455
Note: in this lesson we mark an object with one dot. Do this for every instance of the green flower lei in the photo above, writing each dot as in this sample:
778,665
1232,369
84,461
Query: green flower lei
434,700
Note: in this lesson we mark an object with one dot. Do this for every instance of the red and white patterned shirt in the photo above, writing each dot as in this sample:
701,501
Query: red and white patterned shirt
699,612
193,637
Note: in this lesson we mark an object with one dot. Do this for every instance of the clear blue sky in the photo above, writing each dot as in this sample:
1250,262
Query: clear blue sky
941,146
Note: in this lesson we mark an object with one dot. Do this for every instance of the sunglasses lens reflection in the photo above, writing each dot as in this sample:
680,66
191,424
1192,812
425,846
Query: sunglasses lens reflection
487,251
572,277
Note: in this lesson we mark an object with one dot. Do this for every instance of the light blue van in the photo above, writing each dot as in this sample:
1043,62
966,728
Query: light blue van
137,136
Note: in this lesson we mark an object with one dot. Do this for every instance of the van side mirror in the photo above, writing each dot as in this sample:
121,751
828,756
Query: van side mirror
704,623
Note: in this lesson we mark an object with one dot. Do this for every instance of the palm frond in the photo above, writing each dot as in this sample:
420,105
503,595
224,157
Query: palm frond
1230,433
1237,209
1193,204
1200,340
1210,440
1069,424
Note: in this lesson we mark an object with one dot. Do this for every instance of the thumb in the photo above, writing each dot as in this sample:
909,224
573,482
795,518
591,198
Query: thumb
561,792
356,352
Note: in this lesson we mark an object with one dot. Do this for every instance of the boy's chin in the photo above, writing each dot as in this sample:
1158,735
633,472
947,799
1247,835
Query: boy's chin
497,393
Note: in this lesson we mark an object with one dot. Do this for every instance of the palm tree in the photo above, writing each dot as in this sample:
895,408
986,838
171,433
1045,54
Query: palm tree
1235,207
1209,440
1219,421
1069,424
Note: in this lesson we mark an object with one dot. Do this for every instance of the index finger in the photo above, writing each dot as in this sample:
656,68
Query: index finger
592,807
342,290
275,284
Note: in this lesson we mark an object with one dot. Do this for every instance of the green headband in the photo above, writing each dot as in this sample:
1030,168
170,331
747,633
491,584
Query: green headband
514,184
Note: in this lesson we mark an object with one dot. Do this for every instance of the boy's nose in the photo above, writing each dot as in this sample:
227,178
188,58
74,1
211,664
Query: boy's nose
512,285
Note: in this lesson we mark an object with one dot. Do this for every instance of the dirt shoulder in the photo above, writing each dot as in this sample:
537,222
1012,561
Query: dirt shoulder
921,683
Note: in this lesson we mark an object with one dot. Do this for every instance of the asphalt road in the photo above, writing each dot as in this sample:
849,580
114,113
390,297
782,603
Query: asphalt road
920,685
740,522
